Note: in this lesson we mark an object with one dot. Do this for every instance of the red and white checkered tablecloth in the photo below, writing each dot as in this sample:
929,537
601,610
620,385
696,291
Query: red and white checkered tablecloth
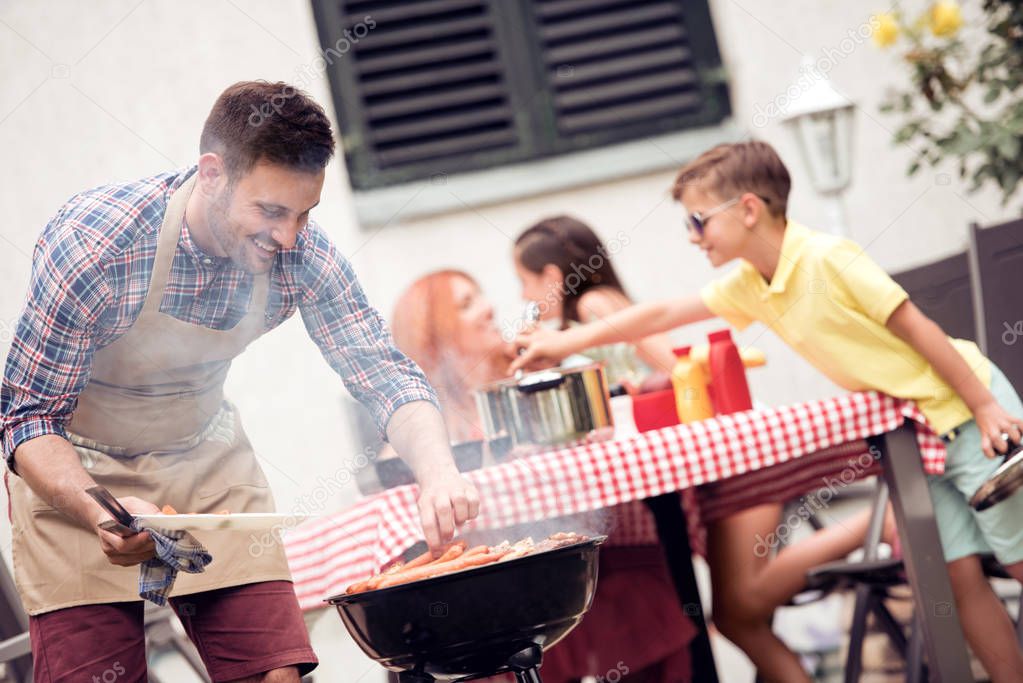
328,554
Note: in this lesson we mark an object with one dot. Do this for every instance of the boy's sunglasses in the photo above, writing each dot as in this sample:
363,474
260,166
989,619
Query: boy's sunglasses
697,220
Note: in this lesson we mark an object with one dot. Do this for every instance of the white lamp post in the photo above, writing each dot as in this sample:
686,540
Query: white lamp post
821,119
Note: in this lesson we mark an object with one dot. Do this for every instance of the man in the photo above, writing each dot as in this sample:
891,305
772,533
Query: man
141,295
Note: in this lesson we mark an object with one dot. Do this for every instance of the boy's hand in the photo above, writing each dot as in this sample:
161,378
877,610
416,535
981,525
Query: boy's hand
540,348
998,429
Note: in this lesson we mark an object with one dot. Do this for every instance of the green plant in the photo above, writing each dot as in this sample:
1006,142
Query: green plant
965,103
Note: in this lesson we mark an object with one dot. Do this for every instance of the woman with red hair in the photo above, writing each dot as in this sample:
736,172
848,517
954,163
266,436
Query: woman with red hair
635,631
445,324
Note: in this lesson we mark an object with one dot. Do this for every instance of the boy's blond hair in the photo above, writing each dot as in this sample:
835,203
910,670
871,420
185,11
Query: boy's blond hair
728,170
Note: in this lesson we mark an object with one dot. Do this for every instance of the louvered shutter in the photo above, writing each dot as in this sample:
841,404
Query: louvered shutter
459,85
621,69
424,91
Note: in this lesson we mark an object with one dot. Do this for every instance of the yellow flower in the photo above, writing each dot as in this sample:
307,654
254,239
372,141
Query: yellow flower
946,18
886,29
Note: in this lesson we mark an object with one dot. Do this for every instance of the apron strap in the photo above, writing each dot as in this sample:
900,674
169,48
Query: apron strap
167,244
166,247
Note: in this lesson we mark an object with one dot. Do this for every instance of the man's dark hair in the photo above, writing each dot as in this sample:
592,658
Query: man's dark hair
254,121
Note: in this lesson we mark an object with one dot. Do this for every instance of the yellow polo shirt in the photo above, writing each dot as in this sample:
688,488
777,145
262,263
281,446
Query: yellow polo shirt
829,301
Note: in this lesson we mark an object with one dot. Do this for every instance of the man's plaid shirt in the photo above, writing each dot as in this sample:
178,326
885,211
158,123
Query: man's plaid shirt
90,274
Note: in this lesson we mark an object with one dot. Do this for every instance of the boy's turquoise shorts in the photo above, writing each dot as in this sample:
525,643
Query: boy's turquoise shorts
963,530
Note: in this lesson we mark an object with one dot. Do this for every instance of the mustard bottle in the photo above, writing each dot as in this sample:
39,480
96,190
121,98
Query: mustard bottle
689,380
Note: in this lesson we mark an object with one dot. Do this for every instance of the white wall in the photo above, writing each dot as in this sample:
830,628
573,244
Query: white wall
104,90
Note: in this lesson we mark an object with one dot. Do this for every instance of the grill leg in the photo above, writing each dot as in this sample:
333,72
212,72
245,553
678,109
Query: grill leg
526,664
530,676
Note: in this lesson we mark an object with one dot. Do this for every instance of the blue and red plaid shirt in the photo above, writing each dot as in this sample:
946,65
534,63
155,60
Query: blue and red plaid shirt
90,274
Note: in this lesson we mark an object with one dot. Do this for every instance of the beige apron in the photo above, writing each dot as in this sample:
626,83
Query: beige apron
152,422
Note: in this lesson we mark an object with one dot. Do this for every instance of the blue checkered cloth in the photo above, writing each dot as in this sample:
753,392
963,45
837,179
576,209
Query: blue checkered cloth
176,550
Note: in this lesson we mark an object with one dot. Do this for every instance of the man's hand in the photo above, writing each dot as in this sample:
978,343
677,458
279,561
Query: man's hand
446,501
126,552
995,425
542,348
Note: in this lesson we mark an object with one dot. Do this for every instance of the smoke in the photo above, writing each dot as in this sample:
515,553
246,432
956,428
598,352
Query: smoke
594,523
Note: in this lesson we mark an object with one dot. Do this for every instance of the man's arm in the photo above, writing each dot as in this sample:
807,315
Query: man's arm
353,338
50,466
627,325
446,500
909,324
47,366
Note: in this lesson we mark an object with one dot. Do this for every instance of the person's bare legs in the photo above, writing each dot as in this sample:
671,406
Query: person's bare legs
739,612
748,587
785,575
986,624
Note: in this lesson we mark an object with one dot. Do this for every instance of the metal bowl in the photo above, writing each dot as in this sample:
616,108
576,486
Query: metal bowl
548,408
471,623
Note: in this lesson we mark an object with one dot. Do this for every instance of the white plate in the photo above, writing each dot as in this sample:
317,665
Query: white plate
239,521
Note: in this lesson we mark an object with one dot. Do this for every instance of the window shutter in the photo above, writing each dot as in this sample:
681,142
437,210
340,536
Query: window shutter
620,69
425,90
442,86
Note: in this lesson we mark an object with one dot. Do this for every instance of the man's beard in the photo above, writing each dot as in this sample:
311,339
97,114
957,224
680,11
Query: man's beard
225,234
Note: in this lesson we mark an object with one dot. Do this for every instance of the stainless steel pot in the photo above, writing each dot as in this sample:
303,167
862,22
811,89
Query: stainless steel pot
548,408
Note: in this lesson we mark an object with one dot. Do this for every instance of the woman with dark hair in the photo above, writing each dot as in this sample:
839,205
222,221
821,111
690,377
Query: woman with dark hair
635,627
565,268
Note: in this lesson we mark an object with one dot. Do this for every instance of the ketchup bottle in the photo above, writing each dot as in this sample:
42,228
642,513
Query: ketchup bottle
728,388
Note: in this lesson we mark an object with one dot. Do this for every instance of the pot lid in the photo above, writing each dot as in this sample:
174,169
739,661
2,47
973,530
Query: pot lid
1003,483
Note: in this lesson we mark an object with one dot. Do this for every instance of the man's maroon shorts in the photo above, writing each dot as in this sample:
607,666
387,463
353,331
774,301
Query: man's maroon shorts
239,631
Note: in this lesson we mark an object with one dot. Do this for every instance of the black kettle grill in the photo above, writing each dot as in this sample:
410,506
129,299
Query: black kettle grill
479,622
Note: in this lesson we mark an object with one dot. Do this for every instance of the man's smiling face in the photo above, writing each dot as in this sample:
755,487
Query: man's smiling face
255,215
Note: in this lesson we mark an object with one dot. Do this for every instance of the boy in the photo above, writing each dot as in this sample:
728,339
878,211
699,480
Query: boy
829,301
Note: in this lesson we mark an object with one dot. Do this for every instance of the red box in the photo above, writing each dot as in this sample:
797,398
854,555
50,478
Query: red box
654,410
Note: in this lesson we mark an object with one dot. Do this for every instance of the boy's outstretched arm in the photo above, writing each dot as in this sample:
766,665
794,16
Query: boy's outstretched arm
629,324
927,338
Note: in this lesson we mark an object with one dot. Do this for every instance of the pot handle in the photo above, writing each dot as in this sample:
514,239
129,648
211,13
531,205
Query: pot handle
543,384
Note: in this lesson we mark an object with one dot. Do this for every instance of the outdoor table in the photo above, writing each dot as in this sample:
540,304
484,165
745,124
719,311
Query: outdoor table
836,439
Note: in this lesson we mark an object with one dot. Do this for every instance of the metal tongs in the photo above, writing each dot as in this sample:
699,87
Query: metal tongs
122,519
530,317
